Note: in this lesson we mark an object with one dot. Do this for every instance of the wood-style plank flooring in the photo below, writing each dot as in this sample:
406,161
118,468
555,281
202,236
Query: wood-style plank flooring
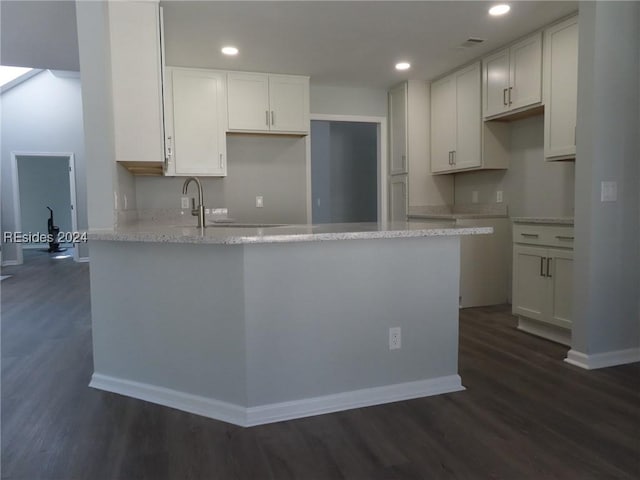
525,414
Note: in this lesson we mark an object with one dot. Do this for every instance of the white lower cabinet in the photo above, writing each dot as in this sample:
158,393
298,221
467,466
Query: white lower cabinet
543,280
398,198
196,122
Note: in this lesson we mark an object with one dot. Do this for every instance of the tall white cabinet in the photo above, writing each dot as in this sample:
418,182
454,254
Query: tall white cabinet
136,82
268,103
196,122
560,89
512,77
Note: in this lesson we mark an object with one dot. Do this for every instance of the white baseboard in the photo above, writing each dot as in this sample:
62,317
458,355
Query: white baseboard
367,397
276,412
10,263
603,360
199,405
83,260
545,330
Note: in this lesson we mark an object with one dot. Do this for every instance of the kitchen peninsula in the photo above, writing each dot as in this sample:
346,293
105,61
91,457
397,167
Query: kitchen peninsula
260,324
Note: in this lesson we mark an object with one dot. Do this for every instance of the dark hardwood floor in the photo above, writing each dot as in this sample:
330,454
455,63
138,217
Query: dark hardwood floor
525,414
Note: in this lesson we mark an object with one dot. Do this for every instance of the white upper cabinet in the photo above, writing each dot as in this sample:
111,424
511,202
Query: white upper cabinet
196,121
512,78
468,151
259,102
398,137
136,79
560,89
443,123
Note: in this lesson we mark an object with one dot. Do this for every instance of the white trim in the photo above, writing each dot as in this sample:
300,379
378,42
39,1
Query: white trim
16,194
383,167
207,407
367,397
545,330
276,412
9,263
602,360
83,260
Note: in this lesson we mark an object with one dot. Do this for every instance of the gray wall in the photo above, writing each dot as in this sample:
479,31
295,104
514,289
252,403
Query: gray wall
606,265
345,175
43,114
531,186
270,166
339,100
44,182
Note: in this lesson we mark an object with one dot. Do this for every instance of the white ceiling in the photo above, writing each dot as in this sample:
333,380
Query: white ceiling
336,43
345,43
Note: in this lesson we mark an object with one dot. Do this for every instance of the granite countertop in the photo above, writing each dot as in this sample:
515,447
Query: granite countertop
455,212
554,220
455,216
236,235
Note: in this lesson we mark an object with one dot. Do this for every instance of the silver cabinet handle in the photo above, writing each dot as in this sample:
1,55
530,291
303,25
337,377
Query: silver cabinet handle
564,237
266,117
532,235
510,88
542,267
454,157
549,267
273,118
221,159
169,147
504,97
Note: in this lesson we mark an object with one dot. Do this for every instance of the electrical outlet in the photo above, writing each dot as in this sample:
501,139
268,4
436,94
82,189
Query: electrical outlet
608,191
474,196
184,202
395,338
259,201
499,196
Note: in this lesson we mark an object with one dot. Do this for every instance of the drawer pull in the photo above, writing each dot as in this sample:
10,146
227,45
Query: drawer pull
564,237
542,266
532,235
549,267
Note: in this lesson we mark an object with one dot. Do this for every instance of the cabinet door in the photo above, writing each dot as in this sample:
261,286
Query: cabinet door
529,282
495,83
467,153
560,273
398,198
136,81
289,103
443,123
560,89
525,69
198,113
398,129
248,102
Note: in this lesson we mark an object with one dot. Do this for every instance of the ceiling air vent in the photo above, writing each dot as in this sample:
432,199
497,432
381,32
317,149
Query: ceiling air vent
471,42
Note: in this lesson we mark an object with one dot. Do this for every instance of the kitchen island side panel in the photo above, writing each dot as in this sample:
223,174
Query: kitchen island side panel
318,315
170,316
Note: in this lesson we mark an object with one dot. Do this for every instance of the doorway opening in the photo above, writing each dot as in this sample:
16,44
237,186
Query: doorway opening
348,169
42,180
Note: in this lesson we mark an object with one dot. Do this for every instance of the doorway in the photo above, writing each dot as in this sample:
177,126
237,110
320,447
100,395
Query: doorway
347,169
42,180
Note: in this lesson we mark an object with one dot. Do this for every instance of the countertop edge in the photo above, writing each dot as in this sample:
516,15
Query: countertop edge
233,239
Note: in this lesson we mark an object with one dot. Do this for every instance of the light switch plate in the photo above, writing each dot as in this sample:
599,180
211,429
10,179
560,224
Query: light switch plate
499,196
608,191
184,202
259,201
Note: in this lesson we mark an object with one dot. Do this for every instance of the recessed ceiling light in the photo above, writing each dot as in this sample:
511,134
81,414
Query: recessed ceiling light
230,50
403,66
501,9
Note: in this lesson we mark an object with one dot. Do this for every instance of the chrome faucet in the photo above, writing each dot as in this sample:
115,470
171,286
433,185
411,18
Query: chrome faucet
199,210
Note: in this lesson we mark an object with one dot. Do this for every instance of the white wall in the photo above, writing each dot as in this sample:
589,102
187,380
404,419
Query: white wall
270,166
340,100
531,186
42,114
606,257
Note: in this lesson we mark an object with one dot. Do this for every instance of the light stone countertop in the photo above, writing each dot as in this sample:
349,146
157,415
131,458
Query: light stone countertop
554,220
455,216
230,235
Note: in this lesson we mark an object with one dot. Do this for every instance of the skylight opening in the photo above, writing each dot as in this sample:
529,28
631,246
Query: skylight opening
8,74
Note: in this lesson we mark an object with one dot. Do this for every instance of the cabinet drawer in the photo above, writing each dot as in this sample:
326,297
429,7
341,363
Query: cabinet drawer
548,235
